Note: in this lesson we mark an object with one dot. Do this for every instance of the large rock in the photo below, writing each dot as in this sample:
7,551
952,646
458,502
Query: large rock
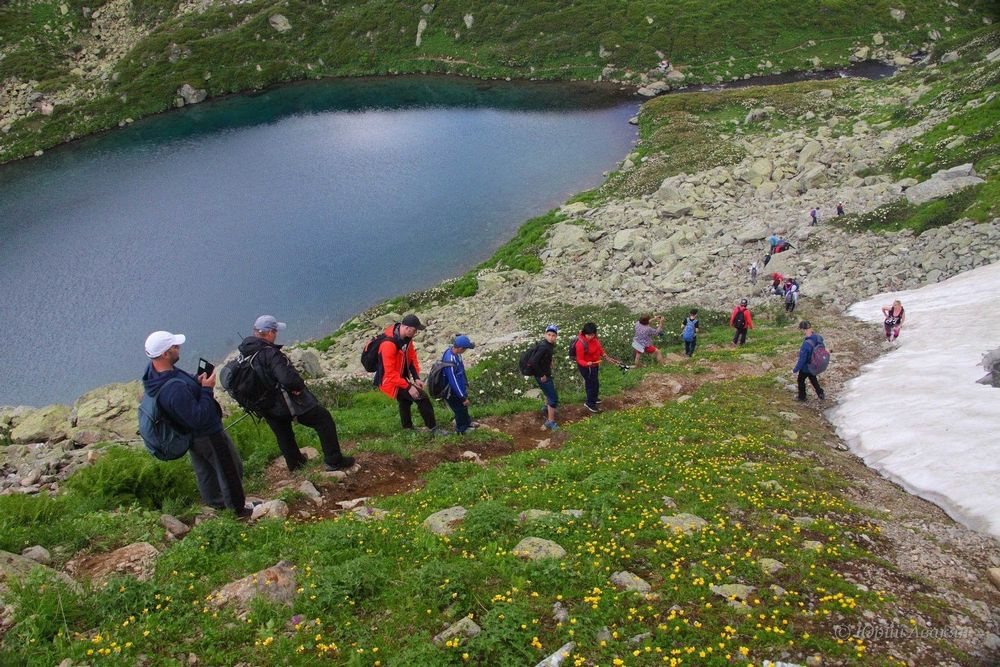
464,627
729,591
16,568
275,584
785,263
272,509
279,23
38,553
684,522
943,183
628,581
623,240
306,361
674,209
48,424
192,95
536,548
808,153
561,654
565,236
111,411
760,171
137,560
444,522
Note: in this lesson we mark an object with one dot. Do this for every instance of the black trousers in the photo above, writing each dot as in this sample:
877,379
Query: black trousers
591,383
317,418
424,406
813,381
741,337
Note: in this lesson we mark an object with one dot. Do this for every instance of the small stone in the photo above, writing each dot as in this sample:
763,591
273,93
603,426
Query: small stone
351,504
275,584
812,545
339,475
814,661
627,581
365,513
684,522
444,522
536,548
790,435
770,565
309,490
38,553
576,514
557,658
465,627
273,509
729,591
279,23
604,635
559,613
669,502
777,590
174,526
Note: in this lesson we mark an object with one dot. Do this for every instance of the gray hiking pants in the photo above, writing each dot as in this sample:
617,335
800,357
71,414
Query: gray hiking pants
218,471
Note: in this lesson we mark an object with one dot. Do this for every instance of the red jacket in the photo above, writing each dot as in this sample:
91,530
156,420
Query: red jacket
594,351
397,365
746,316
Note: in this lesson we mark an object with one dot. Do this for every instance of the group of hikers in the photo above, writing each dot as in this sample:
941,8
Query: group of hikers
179,413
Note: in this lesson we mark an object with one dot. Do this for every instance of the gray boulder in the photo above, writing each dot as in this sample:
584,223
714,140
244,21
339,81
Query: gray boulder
465,627
536,548
15,568
674,210
683,522
48,424
274,584
279,23
943,183
565,236
628,581
556,659
444,522
192,95
991,364
306,361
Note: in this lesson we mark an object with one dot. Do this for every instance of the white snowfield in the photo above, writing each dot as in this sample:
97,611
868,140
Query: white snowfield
916,414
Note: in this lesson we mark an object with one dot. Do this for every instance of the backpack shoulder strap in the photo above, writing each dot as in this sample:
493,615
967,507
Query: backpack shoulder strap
165,414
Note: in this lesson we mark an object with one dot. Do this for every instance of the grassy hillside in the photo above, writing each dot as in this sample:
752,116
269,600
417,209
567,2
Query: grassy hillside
229,48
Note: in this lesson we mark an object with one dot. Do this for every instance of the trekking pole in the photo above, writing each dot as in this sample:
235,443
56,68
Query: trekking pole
245,415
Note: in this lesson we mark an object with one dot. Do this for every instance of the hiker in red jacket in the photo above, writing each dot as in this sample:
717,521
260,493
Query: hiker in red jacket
401,372
589,355
741,321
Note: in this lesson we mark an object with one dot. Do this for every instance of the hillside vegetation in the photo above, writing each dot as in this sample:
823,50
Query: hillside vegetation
105,63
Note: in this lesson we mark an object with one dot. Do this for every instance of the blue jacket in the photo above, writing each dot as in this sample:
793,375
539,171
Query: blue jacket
805,352
456,375
187,402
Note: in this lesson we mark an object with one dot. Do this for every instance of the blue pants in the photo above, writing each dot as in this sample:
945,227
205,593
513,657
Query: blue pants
592,383
689,346
462,419
549,390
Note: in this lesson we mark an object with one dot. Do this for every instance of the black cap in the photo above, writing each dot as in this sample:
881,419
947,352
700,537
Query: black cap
804,324
743,302
412,320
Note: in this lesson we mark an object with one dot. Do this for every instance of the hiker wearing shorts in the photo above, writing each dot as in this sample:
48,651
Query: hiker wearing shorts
642,342
537,362
589,355
689,332
894,318
741,320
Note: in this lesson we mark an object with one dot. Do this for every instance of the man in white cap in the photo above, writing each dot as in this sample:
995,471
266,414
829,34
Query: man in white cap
189,402
292,399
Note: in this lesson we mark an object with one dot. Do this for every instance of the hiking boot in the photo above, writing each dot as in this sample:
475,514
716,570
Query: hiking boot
800,399
551,425
592,408
243,514
822,397
345,463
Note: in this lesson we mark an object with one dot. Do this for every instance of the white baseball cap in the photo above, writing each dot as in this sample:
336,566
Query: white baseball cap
159,342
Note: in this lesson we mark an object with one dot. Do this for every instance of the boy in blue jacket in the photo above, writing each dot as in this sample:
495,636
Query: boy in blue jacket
812,339
458,398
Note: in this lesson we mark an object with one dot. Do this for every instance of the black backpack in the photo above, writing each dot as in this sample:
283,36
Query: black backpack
571,352
526,363
247,385
437,383
740,321
369,355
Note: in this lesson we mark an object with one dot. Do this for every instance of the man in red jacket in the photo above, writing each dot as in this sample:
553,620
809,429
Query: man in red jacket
741,321
401,372
589,355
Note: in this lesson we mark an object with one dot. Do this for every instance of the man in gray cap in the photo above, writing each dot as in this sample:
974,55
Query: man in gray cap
190,404
292,399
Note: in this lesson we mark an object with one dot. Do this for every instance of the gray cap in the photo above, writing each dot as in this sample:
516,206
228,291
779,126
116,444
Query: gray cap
268,323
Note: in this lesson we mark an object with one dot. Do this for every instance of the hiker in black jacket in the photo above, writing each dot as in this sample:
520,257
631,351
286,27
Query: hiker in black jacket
540,365
292,399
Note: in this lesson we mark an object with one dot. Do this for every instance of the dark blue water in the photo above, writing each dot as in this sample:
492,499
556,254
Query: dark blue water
309,202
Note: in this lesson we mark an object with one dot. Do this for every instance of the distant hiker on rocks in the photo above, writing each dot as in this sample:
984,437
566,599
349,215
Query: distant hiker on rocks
773,241
806,366
894,318
642,342
753,272
292,400
814,216
536,361
189,404
689,332
840,208
398,375
458,397
742,321
588,353
777,284
791,288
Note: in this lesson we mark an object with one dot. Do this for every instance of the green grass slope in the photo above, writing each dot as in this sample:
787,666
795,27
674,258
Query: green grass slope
230,48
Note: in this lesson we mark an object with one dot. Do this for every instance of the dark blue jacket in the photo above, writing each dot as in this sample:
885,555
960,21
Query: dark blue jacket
186,402
805,352
456,376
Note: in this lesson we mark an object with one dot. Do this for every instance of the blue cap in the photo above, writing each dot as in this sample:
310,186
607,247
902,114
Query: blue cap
463,341
553,328
268,323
